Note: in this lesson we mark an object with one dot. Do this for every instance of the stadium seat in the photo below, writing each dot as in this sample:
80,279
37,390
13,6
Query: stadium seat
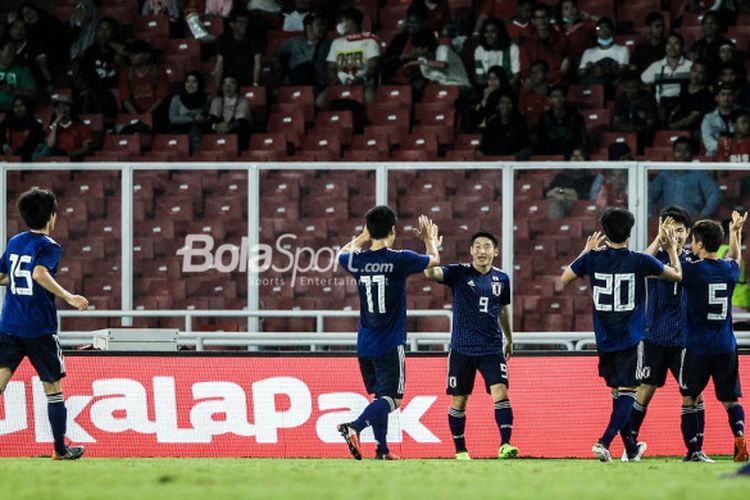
188,48
177,144
269,142
339,122
256,96
440,93
387,115
354,93
422,142
276,38
125,144
397,94
152,29
597,122
372,140
312,156
323,139
587,96
364,155
127,119
226,143
264,156
302,95
413,155
628,137
95,122
665,138
292,124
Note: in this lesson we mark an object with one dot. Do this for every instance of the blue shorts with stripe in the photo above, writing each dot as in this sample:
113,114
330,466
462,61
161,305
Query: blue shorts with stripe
44,353
385,375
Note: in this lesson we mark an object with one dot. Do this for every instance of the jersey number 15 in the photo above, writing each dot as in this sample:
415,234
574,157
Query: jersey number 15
20,279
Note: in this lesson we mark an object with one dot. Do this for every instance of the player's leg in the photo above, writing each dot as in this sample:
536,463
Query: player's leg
46,356
494,370
693,377
726,379
350,430
5,375
12,352
652,374
619,371
462,371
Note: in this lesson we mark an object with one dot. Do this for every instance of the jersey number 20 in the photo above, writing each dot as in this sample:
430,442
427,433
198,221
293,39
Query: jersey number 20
613,287
378,282
16,273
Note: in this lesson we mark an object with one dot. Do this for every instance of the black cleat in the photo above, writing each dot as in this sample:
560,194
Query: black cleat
352,439
71,453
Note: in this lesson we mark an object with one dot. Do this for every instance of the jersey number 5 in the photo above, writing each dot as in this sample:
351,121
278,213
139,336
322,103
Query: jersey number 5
377,281
713,300
16,273
613,287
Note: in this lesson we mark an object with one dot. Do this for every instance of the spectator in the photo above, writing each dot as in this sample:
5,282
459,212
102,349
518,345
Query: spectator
496,49
519,26
230,112
188,110
485,105
568,186
439,63
400,51
734,74
707,47
654,47
719,121
667,74
20,132
736,149
577,26
97,71
143,85
14,79
169,8
548,44
67,136
354,57
303,57
695,100
611,188
83,24
561,129
635,110
727,54
438,13
694,190
505,131
533,100
239,50
604,62
46,32
30,54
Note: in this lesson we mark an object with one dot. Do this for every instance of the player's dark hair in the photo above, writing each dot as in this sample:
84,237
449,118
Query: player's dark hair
484,234
36,207
709,233
679,215
380,221
617,224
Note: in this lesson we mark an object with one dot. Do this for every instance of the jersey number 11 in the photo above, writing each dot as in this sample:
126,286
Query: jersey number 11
377,282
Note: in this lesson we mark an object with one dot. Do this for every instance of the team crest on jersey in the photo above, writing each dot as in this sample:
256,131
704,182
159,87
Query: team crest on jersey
497,288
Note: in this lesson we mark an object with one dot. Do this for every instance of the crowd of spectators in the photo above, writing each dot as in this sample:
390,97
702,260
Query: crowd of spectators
512,61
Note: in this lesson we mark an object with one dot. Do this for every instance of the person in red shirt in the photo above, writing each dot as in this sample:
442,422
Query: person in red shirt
20,132
143,85
533,100
547,44
579,27
736,149
67,137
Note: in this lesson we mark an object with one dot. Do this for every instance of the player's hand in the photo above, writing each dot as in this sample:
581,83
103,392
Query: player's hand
668,239
737,221
595,242
78,302
426,228
508,350
364,236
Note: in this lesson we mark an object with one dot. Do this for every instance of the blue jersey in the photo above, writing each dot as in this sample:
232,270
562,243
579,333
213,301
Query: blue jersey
709,285
381,280
29,310
664,307
477,301
618,285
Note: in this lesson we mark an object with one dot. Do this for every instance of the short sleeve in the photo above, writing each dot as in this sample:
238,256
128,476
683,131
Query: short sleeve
413,262
333,51
505,292
4,263
450,273
372,49
346,261
580,265
49,256
735,268
652,265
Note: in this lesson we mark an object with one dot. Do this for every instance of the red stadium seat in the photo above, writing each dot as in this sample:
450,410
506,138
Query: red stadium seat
587,96
268,142
95,122
423,142
177,144
292,124
339,121
390,116
398,94
184,47
345,92
413,155
628,137
597,121
372,140
128,144
222,143
323,140
303,95
256,96
440,93
665,138
152,29
125,119
312,156
364,155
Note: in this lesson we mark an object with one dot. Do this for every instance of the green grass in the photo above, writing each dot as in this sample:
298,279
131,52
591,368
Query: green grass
213,479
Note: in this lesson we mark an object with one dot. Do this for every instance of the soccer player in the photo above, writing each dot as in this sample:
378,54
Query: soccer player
665,339
710,345
481,294
381,274
619,291
28,326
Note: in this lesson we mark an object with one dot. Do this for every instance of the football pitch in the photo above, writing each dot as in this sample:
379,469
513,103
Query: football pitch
214,479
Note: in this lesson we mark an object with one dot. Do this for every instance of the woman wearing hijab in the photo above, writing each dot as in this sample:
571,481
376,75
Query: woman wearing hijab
188,110
20,132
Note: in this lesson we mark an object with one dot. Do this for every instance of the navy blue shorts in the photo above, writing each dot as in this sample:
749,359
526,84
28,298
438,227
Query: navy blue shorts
657,361
723,369
44,353
619,368
385,375
462,371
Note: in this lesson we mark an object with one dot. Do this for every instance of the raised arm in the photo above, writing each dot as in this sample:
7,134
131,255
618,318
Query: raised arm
735,235
673,272
3,279
660,234
593,242
357,243
42,276
429,234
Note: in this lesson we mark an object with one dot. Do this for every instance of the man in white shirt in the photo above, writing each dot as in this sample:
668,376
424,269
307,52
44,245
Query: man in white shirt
604,62
667,74
354,57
